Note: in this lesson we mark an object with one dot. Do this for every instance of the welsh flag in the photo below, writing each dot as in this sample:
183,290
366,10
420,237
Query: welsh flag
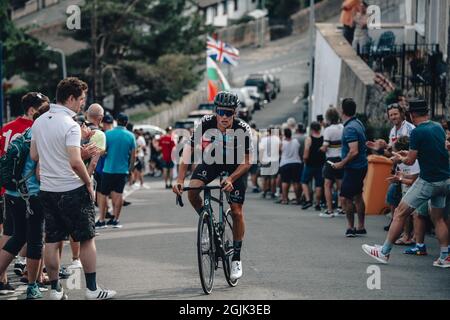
216,80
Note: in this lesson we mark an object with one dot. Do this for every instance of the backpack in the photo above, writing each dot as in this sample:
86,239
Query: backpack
13,161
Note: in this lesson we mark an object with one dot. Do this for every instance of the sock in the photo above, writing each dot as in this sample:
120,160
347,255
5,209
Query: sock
444,253
237,245
55,285
91,281
387,247
32,284
199,211
420,245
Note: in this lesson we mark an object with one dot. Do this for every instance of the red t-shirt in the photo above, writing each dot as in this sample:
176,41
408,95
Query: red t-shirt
9,133
167,144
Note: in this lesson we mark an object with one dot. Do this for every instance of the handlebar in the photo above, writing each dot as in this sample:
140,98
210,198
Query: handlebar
179,199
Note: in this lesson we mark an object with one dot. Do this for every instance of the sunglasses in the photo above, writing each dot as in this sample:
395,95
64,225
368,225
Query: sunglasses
225,112
394,106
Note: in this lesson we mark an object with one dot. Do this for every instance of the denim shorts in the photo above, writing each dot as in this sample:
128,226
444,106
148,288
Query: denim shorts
422,191
312,172
394,195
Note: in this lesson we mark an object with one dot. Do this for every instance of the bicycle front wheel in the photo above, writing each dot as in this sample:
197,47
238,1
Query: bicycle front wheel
205,252
228,247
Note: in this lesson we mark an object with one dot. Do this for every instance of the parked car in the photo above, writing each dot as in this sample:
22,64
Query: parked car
265,87
206,106
148,128
199,113
245,99
276,83
255,96
188,123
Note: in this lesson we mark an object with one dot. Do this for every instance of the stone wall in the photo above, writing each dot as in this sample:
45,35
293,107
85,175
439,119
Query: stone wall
324,10
246,34
168,114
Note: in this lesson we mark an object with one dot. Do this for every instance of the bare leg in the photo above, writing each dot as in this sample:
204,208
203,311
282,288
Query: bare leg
238,222
419,228
284,192
117,200
102,206
360,210
318,193
306,193
194,195
328,194
5,260
298,192
75,246
440,226
52,260
88,255
398,221
3,240
348,207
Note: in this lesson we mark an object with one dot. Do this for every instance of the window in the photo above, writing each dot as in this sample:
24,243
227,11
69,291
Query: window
225,7
420,18
236,7
214,10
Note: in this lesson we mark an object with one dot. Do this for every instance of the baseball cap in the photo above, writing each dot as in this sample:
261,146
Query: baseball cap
108,119
122,117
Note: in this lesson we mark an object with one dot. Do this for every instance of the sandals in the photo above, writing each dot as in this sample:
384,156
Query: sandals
401,242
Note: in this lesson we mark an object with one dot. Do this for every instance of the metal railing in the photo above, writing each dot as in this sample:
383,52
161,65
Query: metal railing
418,70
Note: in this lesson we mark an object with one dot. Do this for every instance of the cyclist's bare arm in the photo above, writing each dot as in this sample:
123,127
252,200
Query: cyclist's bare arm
185,158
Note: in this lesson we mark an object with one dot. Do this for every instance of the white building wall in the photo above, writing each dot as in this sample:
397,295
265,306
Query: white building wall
326,76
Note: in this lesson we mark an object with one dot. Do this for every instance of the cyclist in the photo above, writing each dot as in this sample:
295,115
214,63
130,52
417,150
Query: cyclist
223,133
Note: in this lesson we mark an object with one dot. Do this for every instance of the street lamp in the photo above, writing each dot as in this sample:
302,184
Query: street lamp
311,59
63,59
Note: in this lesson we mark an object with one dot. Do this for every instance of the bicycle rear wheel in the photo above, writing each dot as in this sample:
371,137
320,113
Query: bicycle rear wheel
205,253
228,247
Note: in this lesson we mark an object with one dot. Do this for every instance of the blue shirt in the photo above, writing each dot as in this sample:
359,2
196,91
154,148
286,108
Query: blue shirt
354,131
428,139
119,145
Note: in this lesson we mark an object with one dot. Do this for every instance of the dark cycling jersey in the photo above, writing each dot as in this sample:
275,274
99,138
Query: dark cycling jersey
237,139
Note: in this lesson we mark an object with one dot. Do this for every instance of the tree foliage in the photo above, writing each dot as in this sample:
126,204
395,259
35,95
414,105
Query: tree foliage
147,51
25,56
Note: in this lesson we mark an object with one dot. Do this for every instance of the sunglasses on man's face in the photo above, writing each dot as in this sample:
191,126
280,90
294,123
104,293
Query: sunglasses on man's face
225,112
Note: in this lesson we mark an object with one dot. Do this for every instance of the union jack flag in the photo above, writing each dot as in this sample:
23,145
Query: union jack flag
222,52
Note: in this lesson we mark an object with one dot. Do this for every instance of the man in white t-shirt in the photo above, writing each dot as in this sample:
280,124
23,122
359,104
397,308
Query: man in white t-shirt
401,128
66,191
269,150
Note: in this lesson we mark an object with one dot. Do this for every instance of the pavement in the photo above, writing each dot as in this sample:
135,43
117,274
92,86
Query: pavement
288,253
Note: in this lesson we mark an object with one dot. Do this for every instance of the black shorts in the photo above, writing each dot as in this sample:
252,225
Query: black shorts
353,182
98,177
167,164
254,169
2,209
139,165
68,213
330,173
113,182
208,173
8,220
290,173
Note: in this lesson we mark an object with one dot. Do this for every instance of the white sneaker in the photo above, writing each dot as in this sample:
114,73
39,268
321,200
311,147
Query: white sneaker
100,294
375,252
76,264
236,270
55,295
